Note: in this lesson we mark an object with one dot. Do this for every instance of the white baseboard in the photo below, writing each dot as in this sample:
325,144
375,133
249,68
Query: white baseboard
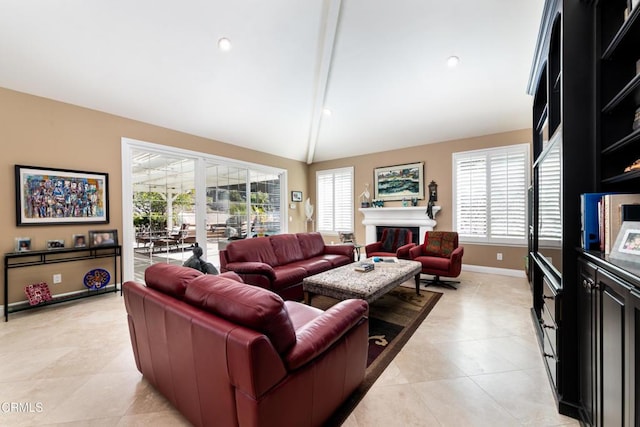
66,294
494,270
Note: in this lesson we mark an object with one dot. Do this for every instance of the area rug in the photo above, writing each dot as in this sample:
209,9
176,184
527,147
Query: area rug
393,318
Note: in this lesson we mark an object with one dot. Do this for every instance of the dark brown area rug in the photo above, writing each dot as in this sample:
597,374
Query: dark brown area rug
393,319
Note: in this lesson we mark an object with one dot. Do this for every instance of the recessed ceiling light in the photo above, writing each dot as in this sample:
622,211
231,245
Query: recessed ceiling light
326,112
453,61
224,44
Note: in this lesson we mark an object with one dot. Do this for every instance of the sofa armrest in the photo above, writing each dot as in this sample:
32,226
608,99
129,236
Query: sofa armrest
457,253
252,267
315,337
232,275
373,247
416,251
346,250
403,251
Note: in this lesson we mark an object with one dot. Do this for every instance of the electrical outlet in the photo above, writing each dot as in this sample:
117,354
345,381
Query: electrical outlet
57,278
499,256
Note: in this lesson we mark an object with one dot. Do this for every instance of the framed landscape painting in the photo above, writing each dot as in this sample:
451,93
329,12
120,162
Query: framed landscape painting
48,196
399,182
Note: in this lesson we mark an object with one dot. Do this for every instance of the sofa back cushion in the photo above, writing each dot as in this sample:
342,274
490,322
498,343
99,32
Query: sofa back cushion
393,238
170,279
311,244
250,306
286,248
258,249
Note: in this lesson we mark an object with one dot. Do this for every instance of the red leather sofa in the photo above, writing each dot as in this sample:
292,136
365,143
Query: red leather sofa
225,353
280,262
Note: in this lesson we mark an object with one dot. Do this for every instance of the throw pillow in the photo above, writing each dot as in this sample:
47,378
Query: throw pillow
433,246
448,244
37,293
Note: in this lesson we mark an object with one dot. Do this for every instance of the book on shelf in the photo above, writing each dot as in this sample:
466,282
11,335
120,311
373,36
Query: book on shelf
617,208
589,221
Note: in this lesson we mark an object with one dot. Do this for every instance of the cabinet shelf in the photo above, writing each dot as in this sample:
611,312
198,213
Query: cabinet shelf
627,35
625,95
627,176
14,260
623,142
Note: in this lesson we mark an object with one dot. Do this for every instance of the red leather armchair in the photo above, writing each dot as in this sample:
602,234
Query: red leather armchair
394,242
226,353
440,255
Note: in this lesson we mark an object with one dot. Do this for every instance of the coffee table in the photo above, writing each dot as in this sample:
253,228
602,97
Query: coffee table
346,282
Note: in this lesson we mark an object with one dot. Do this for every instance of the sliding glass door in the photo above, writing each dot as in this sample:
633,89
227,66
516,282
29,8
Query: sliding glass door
176,199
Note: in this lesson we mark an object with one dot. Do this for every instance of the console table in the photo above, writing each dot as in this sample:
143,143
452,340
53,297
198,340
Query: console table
54,256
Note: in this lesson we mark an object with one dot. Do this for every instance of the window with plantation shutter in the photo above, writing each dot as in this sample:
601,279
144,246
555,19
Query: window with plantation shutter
549,198
490,194
334,190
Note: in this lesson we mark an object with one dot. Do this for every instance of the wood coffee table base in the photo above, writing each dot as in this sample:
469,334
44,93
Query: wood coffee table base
345,282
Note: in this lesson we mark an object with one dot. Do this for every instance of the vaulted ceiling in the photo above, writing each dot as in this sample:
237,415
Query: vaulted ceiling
379,66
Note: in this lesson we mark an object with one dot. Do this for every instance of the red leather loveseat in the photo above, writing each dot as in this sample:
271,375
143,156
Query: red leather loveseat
225,353
280,262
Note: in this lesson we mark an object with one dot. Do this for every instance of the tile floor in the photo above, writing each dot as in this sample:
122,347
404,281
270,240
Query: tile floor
473,362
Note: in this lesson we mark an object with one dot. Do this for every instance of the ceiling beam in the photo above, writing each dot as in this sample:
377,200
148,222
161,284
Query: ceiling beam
329,30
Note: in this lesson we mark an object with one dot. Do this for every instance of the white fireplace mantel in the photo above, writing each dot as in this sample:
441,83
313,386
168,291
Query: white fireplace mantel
410,216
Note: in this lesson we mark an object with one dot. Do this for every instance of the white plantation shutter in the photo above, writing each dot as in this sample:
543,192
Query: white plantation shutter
490,194
549,189
471,195
334,189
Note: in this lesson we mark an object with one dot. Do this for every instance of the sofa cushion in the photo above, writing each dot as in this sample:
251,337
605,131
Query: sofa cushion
311,244
170,279
288,275
258,249
253,307
286,248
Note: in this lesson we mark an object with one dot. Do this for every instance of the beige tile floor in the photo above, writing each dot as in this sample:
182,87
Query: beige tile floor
473,362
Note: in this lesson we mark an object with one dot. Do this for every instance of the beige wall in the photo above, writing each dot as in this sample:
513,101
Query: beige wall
40,132
438,162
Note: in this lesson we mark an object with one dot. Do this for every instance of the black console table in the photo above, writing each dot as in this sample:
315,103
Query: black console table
54,256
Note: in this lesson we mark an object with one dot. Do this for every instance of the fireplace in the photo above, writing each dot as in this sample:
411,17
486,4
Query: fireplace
400,217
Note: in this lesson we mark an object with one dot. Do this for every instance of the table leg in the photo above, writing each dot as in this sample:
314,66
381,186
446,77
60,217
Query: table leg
417,278
307,297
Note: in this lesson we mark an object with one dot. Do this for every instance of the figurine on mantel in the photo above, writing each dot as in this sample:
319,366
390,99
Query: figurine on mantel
430,209
364,203
433,196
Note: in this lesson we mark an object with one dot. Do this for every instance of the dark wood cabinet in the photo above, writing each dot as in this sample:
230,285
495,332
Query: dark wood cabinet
609,338
612,346
588,301
561,83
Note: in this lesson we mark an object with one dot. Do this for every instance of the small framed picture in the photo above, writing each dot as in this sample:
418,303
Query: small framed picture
627,245
103,238
55,244
79,241
23,244
296,196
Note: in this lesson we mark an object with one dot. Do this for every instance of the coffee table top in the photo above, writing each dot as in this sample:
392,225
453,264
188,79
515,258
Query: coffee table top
345,282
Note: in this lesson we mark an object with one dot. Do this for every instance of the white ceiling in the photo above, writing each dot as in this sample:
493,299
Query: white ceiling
379,65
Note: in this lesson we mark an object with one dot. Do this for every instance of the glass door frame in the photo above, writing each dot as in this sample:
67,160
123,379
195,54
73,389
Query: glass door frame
202,160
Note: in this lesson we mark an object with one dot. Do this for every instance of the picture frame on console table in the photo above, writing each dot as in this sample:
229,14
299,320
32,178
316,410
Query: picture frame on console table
50,196
399,182
627,245
99,238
